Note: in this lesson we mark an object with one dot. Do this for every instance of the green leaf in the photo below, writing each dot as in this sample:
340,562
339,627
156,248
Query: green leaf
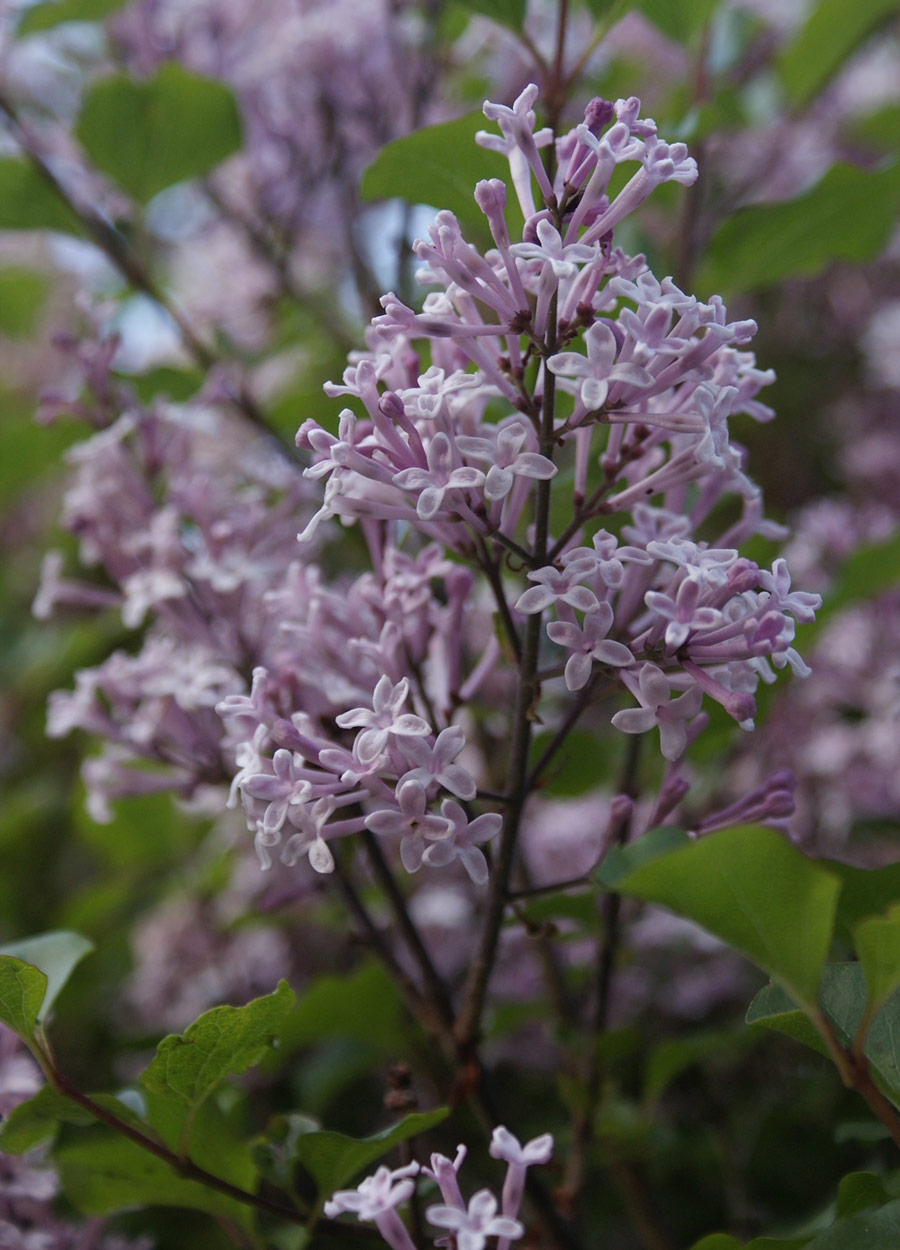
333,1159
275,1153
439,166
149,135
608,11
27,202
176,384
53,12
23,294
56,954
620,863
223,1042
833,31
755,891
507,12
28,451
670,1058
36,1121
844,998
774,1008
859,1191
879,130
22,990
105,1173
724,1241
849,215
877,941
871,1230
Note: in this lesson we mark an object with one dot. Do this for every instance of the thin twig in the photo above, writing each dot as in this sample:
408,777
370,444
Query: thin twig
855,1072
185,1167
607,948
436,992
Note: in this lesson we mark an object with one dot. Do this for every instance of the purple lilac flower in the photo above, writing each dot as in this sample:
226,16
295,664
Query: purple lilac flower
472,1227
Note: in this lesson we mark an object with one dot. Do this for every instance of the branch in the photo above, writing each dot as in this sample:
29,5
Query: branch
185,1167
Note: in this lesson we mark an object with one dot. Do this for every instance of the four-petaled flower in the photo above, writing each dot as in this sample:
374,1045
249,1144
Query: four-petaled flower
435,763
587,644
282,791
506,458
560,584
413,821
682,611
310,841
461,842
440,477
383,719
660,709
598,368
473,1227
562,259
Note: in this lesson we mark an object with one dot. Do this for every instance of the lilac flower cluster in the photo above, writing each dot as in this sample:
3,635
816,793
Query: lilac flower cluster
652,392
556,363
379,1196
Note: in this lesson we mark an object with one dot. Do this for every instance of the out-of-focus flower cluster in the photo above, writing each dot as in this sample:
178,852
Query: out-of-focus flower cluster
188,523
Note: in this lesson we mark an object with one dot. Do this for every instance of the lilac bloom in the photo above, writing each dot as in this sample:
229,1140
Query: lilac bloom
383,720
518,1159
473,1227
282,788
659,709
146,589
682,612
310,841
376,1199
445,1173
778,584
709,565
435,763
560,584
506,458
520,142
551,251
598,368
433,483
607,557
412,821
461,841
438,391
588,644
